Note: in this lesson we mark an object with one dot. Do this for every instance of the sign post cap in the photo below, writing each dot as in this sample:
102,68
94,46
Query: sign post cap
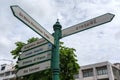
57,25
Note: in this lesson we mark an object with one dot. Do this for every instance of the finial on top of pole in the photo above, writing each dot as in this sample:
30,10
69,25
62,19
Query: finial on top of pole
57,20
57,25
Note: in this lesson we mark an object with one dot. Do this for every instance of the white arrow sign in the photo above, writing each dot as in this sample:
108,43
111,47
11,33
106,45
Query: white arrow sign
87,24
35,59
34,68
34,44
25,18
35,51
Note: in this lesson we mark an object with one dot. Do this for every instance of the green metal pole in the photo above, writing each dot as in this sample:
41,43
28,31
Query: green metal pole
55,54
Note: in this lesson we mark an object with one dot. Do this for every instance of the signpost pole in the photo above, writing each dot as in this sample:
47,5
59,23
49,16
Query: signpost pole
55,54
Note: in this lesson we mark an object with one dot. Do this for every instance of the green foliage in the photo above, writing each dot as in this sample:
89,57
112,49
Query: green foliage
69,66
17,50
19,46
32,40
68,63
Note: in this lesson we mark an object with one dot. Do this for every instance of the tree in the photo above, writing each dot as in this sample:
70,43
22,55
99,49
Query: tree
68,63
19,45
68,66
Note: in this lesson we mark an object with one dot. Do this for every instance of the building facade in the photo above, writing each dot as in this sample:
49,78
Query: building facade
7,72
100,71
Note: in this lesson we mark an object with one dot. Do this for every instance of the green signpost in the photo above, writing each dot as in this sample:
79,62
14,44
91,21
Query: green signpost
55,58
39,50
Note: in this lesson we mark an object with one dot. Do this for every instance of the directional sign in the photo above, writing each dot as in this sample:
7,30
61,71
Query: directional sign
34,44
34,68
35,59
35,51
87,24
26,19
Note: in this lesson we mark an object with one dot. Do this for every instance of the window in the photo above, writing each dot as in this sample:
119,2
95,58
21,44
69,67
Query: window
76,76
2,68
5,79
102,70
87,73
7,73
116,72
13,72
2,74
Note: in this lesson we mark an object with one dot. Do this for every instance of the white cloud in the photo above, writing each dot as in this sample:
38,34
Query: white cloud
98,43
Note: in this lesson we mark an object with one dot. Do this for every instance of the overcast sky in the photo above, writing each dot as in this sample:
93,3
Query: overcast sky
98,44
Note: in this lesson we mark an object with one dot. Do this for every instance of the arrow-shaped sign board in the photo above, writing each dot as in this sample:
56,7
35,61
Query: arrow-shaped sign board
34,44
26,19
35,51
34,68
35,59
87,24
